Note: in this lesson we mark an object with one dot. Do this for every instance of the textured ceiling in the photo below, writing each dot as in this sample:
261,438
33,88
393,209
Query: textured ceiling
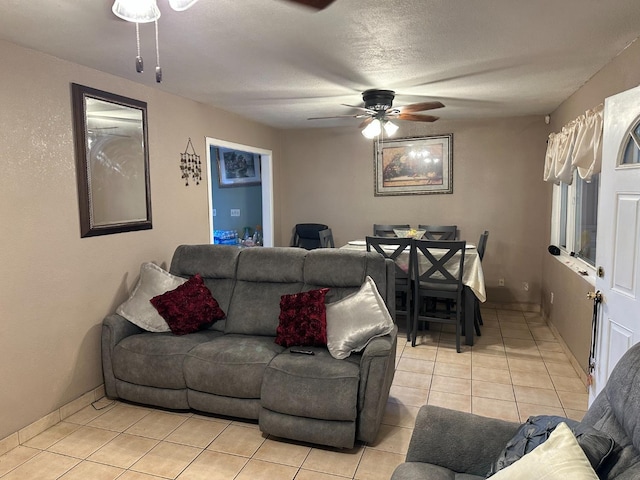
279,63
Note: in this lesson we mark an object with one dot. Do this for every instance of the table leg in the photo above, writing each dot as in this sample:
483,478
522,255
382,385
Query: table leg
469,297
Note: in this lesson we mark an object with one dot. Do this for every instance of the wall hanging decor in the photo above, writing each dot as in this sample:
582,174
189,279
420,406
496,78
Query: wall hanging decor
410,166
112,162
190,165
237,168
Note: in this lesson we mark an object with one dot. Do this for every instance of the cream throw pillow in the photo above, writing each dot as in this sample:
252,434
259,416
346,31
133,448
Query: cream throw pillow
138,309
559,458
356,320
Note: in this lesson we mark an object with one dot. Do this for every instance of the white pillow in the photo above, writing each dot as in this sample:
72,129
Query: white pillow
138,309
559,458
356,320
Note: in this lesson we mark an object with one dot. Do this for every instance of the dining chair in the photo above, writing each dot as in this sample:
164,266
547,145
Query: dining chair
392,248
307,235
326,238
477,315
439,232
380,230
436,270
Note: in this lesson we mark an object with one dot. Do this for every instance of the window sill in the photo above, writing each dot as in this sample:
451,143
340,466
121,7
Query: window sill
579,267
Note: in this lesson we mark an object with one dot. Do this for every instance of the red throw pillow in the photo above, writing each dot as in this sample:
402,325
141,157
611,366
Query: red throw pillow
303,319
188,308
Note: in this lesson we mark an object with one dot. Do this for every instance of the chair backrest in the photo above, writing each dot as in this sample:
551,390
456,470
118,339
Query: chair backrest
326,238
307,235
440,263
380,230
439,232
482,244
392,248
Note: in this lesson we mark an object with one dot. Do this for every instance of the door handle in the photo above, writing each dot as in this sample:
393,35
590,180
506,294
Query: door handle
595,296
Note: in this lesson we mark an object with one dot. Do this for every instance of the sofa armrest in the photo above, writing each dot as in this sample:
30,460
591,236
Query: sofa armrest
114,329
459,441
377,367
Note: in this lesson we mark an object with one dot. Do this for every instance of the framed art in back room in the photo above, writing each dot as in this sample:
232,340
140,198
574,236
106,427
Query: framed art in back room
237,168
414,166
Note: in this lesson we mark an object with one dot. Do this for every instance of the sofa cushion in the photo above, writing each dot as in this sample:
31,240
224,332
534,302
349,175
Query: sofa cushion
263,276
189,307
230,365
156,359
559,458
303,319
291,380
137,309
537,430
357,319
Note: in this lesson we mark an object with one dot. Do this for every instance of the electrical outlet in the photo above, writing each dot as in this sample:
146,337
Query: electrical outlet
235,212
525,285
501,282
552,298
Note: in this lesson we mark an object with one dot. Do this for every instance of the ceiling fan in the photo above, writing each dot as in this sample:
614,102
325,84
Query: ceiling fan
378,111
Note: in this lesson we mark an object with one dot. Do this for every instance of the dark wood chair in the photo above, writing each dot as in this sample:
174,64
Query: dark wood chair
326,238
394,248
307,235
439,232
477,315
380,230
436,271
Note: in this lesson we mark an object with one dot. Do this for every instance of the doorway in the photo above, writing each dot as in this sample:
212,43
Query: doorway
265,194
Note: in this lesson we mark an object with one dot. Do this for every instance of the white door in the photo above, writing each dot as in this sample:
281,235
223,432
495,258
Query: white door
618,251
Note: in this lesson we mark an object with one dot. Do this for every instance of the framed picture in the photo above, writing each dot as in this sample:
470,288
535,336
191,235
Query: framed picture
414,166
112,162
237,168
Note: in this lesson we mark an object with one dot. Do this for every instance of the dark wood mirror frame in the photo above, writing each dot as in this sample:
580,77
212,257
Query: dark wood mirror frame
112,162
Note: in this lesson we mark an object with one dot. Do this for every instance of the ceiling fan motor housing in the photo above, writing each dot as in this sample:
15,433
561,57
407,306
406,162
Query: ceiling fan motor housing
378,100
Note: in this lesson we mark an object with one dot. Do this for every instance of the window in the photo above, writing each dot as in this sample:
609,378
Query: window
575,217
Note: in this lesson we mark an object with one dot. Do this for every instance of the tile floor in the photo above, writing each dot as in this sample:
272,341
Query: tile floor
516,369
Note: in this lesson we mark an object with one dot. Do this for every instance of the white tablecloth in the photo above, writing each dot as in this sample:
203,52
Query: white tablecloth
472,276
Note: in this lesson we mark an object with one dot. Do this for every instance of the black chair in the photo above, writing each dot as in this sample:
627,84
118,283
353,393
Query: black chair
326,238
380,230
307,235
477,315
436,270
439,232
394,248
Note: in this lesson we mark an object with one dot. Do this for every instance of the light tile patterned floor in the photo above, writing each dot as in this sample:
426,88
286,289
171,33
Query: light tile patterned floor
516,369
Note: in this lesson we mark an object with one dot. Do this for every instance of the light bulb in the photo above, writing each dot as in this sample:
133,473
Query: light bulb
137,11
390,128
373,129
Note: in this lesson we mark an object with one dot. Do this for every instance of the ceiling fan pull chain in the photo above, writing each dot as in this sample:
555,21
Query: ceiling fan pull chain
139,62
158,69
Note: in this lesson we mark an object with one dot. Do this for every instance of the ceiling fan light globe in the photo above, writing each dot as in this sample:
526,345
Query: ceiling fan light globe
372,130
136,11
390,128
181,5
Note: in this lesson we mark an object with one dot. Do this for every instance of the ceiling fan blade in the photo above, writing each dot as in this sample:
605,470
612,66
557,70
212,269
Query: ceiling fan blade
414,117
317,4
366,122
368,110
359,115
420,107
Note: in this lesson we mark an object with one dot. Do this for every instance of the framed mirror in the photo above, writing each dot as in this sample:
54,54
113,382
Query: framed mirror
112,162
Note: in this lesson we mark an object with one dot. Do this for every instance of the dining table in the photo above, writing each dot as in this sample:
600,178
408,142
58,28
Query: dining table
472,278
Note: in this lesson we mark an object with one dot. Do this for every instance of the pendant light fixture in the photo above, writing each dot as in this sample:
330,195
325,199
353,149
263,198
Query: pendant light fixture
146,11
375,127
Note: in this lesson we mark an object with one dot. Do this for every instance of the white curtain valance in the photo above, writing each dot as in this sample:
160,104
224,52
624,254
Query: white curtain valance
577,146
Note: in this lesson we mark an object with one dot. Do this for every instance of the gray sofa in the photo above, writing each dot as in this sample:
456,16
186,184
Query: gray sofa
236,369
448,444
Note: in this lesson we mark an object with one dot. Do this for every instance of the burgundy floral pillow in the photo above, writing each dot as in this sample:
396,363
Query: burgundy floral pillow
188,308
303,319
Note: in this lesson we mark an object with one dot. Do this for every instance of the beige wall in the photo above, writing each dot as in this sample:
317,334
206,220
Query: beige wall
55,287
571,312
497,186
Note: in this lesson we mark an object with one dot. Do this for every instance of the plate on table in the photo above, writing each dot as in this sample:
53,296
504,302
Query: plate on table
358,243
470,246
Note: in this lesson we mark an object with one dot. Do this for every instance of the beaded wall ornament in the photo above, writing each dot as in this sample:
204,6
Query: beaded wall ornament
190,165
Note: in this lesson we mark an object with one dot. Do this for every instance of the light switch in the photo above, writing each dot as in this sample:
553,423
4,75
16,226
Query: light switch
235,212
214,212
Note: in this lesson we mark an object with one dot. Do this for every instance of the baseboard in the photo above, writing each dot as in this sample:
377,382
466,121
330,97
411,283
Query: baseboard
574,362
36,428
